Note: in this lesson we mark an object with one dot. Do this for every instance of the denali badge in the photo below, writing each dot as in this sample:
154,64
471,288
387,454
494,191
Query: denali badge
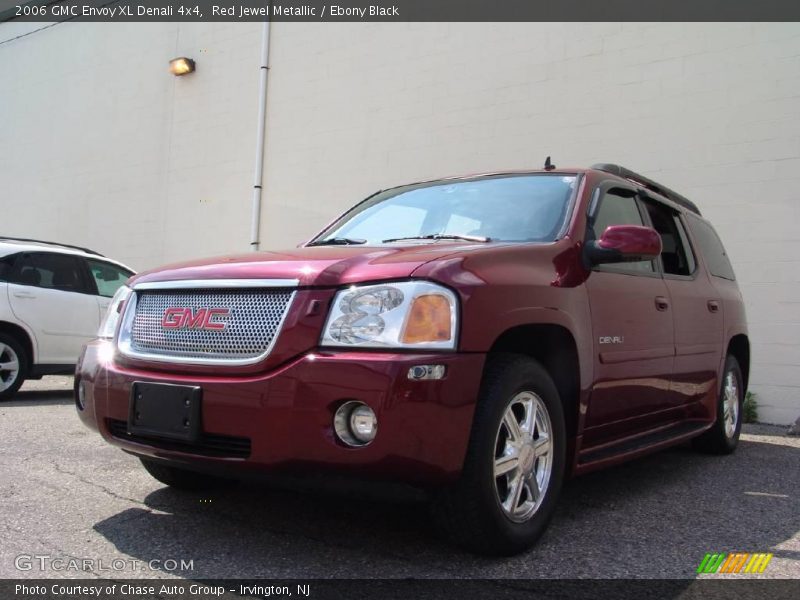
612,339
202,318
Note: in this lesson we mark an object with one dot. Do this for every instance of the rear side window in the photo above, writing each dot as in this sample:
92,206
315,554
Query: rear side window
712,249
50,271
676,253
6,262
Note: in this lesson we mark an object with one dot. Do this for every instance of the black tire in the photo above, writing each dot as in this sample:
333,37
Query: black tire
12,350
183,479
470,511
718,440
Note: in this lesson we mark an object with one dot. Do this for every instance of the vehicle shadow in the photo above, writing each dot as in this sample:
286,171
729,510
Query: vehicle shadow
40,398
652,518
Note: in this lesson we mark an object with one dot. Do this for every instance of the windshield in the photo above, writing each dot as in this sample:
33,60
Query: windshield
520,208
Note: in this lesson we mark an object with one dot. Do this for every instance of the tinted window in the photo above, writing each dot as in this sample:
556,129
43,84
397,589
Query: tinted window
507,208
691,260
6,262
711,246
618,209
107,277
50,271
676,254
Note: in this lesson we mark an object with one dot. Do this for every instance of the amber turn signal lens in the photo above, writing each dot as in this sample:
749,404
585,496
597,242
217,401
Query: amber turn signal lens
428,321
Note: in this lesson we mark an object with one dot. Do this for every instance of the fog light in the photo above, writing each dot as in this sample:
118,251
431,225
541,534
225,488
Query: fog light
363,423
355,423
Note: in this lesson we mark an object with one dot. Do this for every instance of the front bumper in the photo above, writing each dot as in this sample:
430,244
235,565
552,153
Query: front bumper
283,419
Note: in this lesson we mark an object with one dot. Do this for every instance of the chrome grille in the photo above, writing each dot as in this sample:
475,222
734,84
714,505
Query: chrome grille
253,321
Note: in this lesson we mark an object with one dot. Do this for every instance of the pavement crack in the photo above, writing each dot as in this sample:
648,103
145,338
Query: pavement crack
98,486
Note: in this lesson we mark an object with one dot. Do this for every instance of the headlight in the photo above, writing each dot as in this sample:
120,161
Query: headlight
109,325
409,314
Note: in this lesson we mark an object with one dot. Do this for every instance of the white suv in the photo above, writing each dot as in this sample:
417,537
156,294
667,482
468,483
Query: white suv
52,298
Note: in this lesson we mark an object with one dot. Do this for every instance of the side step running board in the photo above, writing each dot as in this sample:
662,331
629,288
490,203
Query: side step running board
658,438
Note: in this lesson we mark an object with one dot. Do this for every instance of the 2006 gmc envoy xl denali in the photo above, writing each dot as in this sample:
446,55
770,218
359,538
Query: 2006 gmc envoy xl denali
481,337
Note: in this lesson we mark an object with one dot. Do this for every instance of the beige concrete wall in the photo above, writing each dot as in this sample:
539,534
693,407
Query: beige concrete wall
100,145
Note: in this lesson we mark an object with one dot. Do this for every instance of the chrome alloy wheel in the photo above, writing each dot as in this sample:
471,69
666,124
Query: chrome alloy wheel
730,406
9,367
523,460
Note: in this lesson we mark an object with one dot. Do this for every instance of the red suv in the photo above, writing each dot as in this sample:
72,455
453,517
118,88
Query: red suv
481,336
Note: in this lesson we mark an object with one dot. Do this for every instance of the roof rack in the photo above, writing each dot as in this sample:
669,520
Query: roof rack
15,239
648,184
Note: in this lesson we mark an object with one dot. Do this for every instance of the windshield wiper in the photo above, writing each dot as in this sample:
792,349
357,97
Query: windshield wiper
338,241
441,236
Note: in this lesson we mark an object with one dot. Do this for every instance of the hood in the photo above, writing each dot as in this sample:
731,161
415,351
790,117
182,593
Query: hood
327,266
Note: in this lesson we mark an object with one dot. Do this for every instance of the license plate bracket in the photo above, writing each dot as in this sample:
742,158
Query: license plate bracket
165,410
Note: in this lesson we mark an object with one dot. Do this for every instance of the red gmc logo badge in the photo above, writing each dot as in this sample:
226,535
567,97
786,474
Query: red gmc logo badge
202,318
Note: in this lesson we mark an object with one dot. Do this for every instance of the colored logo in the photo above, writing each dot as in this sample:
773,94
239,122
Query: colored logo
202,318
735,562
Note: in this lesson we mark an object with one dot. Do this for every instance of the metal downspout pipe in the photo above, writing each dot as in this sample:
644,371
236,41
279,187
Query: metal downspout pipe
255,224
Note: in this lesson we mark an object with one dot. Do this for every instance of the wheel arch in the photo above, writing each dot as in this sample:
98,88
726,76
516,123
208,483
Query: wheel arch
739,348
24,338
554,347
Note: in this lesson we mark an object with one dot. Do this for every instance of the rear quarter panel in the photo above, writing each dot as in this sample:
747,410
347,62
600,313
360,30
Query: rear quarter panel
735,320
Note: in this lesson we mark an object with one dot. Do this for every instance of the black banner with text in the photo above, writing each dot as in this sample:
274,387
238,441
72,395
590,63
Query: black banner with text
399,589
402,10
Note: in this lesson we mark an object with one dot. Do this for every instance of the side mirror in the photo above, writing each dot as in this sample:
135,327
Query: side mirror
624,243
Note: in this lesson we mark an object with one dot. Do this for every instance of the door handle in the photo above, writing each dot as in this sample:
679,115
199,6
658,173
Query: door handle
713,306
662,303
24,295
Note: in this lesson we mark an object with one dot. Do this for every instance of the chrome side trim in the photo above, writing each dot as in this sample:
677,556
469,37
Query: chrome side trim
215,284
124,342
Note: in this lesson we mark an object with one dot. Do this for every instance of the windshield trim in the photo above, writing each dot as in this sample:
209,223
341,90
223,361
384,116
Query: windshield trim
399,189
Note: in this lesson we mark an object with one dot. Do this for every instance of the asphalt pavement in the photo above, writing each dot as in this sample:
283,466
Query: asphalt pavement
69,497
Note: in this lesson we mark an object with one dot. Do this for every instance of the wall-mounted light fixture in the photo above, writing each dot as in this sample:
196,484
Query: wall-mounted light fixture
181,66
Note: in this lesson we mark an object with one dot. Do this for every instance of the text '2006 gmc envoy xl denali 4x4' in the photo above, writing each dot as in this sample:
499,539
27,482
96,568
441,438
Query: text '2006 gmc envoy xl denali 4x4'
482,337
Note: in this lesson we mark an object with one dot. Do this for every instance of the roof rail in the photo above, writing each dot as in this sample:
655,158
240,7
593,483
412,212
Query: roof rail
648,184
15,239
